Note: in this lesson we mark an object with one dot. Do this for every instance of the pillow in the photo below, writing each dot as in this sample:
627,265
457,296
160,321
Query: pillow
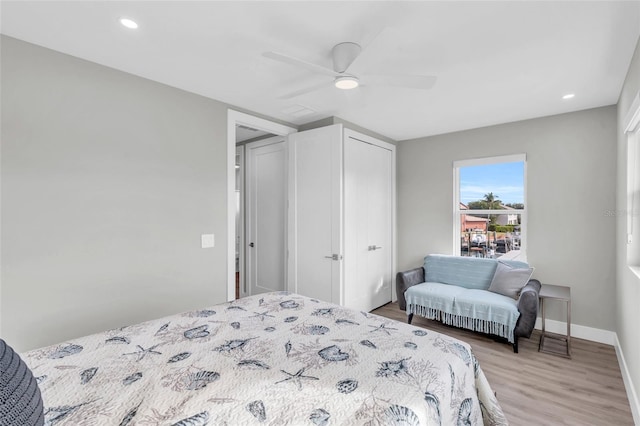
20,400
509,281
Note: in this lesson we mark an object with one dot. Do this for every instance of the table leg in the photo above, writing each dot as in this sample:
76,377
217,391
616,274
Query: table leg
542,334
542,308
569,328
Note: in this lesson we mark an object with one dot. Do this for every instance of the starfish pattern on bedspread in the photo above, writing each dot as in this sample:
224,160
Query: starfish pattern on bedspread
142,352
297,377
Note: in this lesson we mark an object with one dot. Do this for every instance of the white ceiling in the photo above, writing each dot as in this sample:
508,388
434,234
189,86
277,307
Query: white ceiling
496,62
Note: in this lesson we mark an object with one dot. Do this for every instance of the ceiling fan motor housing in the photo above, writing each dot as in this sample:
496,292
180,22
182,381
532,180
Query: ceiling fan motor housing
344,54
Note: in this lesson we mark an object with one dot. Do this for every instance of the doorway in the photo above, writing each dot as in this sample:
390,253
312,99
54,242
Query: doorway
265,215
245,135
237,124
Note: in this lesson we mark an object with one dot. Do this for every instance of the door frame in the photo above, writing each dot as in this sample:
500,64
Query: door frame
235,118
240,228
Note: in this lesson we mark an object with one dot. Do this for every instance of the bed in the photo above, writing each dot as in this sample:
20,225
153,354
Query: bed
276,358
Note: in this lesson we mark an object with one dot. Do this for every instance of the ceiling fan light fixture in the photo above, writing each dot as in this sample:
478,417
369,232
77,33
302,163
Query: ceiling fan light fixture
346,82
128,23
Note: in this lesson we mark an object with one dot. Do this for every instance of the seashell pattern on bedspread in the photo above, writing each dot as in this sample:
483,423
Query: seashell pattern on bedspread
272,359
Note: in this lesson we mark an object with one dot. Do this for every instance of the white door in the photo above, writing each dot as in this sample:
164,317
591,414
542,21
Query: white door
266,200
315,213
368,205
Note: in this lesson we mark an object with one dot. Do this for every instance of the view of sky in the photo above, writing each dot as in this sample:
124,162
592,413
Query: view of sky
505,180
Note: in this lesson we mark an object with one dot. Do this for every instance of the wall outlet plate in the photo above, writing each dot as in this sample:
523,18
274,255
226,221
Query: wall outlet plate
208,240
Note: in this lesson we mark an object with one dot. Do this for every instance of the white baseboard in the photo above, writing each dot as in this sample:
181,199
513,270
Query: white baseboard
628,383
579,331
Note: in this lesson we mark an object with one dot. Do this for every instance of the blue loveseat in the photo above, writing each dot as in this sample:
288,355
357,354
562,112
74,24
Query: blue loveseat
455,291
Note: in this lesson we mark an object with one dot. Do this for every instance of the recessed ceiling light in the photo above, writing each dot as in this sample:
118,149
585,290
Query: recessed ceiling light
129,23
346,82
568,96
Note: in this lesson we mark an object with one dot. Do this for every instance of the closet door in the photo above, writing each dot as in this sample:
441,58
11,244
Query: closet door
369,221
315,213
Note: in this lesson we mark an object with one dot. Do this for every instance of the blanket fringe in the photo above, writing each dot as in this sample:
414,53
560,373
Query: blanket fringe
483,326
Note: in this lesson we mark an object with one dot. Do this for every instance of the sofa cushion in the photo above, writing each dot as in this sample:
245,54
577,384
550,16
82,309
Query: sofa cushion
432,296
497,314
509,280
467,272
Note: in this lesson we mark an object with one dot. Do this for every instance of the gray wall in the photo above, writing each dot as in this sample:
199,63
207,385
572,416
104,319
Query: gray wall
108,181
571,161
628,285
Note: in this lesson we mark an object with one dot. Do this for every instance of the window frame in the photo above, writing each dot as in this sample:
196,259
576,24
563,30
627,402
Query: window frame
457,211
632,135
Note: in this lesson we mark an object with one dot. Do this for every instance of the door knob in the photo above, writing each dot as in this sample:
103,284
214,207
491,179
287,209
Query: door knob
251,245
374,247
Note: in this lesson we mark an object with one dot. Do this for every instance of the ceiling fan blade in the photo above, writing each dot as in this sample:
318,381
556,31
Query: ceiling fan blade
281,57
306,90
422,82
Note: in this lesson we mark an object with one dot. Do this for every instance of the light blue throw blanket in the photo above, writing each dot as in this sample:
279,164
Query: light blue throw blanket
455,292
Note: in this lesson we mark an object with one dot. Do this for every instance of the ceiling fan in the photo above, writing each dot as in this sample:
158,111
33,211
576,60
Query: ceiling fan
344,56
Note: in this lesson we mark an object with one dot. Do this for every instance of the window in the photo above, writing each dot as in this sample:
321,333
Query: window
632,132
490,207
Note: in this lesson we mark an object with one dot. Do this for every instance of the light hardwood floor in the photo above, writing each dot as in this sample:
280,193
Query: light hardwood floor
536,388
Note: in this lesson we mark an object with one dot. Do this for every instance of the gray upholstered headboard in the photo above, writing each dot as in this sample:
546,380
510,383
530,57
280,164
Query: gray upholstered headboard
20,399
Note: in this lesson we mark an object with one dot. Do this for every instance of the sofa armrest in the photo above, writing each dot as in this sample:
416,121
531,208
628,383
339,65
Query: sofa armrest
406,279
528,308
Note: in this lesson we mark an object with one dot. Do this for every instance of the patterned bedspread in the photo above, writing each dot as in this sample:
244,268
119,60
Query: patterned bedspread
276,358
